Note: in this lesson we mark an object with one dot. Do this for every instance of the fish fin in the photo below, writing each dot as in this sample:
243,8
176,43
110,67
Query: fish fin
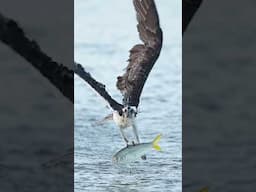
155,143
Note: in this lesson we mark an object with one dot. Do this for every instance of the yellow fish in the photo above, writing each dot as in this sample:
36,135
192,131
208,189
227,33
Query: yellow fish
134,152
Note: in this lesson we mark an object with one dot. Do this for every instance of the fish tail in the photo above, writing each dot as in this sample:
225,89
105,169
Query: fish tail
155,142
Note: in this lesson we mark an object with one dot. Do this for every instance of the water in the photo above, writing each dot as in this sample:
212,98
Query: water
30,135
219,110
104,32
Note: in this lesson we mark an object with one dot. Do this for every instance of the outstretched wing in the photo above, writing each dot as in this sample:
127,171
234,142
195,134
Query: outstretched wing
142,56
97,86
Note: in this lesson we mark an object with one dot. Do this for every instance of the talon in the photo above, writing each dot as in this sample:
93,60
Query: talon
126,141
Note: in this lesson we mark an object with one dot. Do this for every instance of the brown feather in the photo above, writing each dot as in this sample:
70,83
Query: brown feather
142,56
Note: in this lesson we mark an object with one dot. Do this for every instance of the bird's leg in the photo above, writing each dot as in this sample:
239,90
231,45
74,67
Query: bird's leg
143,157
134,127
123,136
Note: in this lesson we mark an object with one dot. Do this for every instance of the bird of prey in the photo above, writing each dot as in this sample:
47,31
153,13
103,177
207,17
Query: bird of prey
141,60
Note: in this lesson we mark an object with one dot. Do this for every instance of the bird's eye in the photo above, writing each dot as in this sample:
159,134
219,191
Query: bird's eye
125,110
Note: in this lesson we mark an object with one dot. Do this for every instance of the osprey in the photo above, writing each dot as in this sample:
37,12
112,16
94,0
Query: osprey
141,60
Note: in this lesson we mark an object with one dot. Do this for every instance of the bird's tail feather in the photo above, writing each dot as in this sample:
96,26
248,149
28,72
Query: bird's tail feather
102,121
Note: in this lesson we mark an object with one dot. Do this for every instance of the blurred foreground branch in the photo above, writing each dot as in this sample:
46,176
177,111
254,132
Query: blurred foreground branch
60,76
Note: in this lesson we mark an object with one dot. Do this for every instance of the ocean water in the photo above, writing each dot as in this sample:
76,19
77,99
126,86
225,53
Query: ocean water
104,32
219,98
29,134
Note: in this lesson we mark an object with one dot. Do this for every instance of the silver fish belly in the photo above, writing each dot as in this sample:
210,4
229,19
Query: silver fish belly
134,152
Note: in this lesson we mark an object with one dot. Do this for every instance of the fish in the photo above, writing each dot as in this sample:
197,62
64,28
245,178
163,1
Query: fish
134,152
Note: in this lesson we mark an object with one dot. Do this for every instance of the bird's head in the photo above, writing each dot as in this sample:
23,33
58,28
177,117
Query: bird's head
128,112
